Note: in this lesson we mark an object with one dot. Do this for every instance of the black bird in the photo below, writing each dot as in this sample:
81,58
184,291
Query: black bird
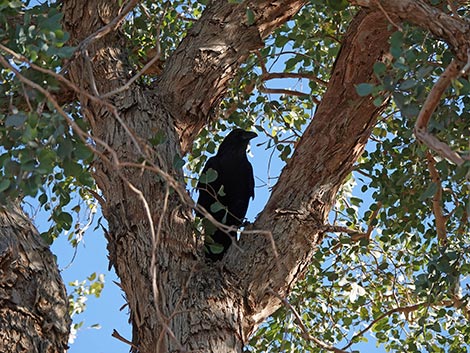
226,197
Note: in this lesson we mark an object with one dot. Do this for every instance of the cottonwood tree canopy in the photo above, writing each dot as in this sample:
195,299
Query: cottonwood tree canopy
366,229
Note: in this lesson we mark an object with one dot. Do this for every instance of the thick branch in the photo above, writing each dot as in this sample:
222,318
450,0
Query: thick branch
33,302
197,75
452,29
307,186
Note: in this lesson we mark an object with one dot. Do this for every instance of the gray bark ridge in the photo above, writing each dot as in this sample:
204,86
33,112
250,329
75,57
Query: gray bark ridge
33,302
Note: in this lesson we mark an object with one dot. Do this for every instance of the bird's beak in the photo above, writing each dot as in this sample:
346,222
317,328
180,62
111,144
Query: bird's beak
248,135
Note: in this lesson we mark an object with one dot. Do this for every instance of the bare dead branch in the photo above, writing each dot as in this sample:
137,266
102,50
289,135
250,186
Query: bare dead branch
117,335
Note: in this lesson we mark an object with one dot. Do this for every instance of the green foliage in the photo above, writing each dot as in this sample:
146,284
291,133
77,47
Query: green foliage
40,156
388,271
80,291
400,280
160,22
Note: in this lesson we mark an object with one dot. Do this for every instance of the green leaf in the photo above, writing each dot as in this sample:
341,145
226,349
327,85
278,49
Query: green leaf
407,84
216,207
291,63
65,149
65,219
379,68
211,147
215,248
250,16
4,184
424,71
178,162
429,192
16,120
209,176
364,89
71,168
158,139
47,237
82,152
42,199
338,4
221,191
280,41
378,101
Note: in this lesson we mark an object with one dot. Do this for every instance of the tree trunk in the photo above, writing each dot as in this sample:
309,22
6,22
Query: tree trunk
33,302
178,301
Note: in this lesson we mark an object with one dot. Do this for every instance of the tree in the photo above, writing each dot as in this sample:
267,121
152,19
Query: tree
108,105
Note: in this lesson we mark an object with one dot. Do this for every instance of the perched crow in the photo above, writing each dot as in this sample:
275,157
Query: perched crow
226,193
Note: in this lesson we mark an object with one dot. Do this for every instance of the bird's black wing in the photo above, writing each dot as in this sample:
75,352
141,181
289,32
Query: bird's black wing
251,181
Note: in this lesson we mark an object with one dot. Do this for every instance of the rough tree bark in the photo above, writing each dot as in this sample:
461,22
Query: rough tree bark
33,303
178,301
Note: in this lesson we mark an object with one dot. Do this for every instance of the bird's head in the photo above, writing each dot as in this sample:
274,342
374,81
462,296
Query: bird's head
237,140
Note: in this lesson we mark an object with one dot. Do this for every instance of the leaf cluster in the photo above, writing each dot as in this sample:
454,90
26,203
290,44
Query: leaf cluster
40,156
388,277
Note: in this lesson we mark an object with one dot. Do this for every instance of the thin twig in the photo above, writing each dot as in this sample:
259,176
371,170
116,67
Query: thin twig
298,75
287,92
302,326
76,89
435,95
397,26
372,217
401,309
148,65
100,33
265,75
117,335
